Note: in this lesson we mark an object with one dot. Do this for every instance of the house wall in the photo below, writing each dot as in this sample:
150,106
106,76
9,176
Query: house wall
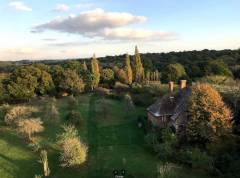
158,121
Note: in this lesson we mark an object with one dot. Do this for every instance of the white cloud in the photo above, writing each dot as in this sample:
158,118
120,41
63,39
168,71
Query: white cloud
136,34
61,8
84,6
104,25
90,22
19,6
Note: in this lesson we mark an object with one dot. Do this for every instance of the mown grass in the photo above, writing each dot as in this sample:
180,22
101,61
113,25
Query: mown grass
109,128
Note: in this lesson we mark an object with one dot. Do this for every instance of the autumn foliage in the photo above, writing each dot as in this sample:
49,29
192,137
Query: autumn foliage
208,115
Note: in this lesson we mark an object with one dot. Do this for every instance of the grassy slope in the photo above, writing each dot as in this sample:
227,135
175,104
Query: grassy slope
110,130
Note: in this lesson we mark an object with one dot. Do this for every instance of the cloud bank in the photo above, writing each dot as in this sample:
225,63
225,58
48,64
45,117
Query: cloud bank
104,25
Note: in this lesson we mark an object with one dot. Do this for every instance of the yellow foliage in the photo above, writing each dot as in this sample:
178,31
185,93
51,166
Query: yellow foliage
208,114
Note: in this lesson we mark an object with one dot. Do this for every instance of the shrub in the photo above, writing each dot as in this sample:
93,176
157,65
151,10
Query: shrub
121,87
102,91
196,158
217,80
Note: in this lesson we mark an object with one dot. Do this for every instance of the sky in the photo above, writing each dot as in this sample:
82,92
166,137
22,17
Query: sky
65,29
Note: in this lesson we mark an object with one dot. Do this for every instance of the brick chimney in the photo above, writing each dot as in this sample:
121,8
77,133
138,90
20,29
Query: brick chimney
171,86
183,84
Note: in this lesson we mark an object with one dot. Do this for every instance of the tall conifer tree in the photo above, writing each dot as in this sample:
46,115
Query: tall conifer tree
95,71
138,67
128,69
85,66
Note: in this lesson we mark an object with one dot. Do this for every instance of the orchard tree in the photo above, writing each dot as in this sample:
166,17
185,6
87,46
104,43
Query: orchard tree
173,72
72,151
14,114
128,70
138,67
208,116
95,71
30,126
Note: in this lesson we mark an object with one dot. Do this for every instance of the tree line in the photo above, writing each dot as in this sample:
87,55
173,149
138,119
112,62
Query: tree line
74,77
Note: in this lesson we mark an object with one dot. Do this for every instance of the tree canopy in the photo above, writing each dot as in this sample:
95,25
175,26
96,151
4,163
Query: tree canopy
208,115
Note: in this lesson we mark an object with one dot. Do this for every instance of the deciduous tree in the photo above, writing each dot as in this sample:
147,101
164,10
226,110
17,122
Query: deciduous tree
30,126
208,116
173,72
72,151
71,82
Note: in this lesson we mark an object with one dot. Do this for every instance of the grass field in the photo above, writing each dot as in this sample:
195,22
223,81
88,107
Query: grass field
110,130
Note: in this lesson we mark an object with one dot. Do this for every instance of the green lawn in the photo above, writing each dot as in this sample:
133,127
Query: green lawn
110,130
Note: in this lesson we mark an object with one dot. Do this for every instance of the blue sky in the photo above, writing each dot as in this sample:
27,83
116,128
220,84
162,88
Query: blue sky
50,29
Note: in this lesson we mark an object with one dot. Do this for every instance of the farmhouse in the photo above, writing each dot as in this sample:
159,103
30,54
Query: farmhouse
170,110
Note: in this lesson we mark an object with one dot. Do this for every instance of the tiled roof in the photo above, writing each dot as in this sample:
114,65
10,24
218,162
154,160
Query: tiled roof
170,104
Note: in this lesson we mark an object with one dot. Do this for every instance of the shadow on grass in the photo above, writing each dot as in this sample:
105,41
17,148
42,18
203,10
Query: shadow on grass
19,161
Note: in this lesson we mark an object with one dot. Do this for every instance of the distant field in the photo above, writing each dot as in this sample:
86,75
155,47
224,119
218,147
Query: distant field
110,130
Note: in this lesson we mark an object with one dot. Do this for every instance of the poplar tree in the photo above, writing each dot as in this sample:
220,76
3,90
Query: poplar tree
148,76
128,69
85,66
157,75
138,67
95,71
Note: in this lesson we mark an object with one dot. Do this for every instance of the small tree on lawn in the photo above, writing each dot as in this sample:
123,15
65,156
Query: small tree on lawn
30,126
72,151
44,161
16,113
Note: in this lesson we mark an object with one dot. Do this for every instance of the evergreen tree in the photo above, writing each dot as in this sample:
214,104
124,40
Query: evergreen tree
95,71
138,67
128,69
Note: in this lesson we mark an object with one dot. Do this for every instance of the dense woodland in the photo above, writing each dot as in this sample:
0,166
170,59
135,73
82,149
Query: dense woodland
211,141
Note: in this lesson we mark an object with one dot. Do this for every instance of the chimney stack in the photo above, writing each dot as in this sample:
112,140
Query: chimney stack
183,84
171,86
